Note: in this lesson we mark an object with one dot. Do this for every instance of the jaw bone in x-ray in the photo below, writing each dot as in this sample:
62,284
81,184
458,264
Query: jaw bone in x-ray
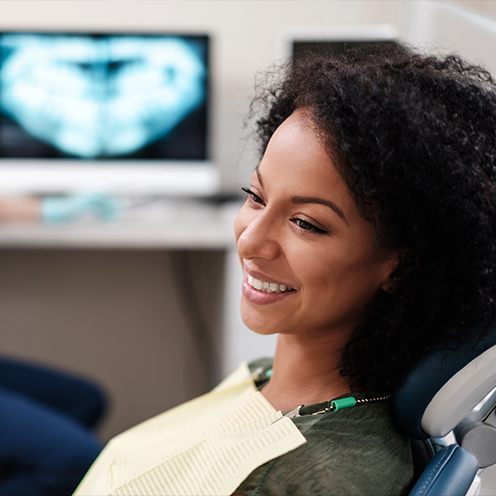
100,97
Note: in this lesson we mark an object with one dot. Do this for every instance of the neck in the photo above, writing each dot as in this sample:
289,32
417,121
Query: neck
306,371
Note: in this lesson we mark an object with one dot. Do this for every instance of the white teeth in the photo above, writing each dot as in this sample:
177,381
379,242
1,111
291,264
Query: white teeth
267,287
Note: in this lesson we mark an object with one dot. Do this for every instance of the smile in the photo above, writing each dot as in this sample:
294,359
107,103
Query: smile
268,287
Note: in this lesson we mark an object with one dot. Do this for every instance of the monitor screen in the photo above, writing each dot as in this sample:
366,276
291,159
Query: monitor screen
103,96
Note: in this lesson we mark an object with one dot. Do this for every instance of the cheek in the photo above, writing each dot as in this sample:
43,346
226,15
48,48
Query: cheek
313,269
334,273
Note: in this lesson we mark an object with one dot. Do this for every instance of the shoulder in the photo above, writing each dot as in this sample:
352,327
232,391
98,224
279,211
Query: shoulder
350,452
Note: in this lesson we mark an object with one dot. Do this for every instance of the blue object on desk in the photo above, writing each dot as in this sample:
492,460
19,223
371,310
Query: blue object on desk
66,209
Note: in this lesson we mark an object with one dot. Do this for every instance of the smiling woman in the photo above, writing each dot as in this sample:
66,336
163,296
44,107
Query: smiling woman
367,237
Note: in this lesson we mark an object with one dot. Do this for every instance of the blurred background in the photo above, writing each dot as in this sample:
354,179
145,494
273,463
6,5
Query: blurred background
122,153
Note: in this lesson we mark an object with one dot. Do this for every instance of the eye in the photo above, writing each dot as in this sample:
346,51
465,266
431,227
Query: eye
253,196
307,226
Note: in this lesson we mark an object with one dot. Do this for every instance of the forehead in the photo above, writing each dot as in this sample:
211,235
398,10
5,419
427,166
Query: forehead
296,139
297,163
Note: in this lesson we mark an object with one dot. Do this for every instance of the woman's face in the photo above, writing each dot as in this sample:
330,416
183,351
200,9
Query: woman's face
311,263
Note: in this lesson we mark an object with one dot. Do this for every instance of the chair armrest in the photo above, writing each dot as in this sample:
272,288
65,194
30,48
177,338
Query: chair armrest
451,471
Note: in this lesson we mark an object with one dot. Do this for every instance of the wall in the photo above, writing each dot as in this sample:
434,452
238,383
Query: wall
461,27
114,317
487,8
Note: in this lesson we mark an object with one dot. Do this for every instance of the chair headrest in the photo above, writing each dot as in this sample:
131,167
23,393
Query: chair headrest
445,386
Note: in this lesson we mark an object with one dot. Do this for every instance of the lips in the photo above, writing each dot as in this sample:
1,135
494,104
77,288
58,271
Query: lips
262,290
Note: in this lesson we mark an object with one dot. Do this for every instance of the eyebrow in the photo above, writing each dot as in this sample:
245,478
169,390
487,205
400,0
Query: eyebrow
320,201
311,199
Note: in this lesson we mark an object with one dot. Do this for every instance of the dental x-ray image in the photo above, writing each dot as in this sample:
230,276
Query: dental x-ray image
111,96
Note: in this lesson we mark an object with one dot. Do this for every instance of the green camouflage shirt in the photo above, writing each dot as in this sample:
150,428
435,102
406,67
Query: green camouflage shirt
356,451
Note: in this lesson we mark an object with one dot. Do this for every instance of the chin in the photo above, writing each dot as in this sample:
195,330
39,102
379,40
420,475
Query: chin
257,323
258,328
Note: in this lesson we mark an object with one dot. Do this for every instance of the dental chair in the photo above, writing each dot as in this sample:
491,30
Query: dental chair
451,392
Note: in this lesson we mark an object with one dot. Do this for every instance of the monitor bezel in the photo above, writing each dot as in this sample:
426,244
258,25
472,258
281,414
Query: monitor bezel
126,176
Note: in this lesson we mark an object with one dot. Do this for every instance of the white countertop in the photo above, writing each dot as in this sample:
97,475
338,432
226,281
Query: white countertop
158,226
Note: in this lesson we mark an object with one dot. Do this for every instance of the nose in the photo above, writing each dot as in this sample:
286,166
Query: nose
257,235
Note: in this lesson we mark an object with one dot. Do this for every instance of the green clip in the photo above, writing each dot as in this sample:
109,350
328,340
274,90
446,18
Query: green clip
343,403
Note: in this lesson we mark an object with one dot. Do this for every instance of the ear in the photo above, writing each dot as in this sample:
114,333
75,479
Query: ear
402,263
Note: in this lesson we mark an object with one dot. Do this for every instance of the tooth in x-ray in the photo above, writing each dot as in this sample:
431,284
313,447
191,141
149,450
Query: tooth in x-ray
102,96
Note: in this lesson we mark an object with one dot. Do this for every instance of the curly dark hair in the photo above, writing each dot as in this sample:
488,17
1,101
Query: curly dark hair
414,138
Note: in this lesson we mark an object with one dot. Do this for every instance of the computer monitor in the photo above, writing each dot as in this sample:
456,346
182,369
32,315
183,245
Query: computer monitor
120,112
295,43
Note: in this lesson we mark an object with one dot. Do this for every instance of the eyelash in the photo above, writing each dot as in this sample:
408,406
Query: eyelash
309,227
302,224
253,196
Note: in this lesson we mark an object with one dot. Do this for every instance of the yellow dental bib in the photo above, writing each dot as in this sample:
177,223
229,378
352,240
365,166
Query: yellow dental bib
204,447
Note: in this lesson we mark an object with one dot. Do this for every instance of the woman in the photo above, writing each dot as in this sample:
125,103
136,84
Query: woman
367,236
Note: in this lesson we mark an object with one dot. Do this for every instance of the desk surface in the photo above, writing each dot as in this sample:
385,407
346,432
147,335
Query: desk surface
189,227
